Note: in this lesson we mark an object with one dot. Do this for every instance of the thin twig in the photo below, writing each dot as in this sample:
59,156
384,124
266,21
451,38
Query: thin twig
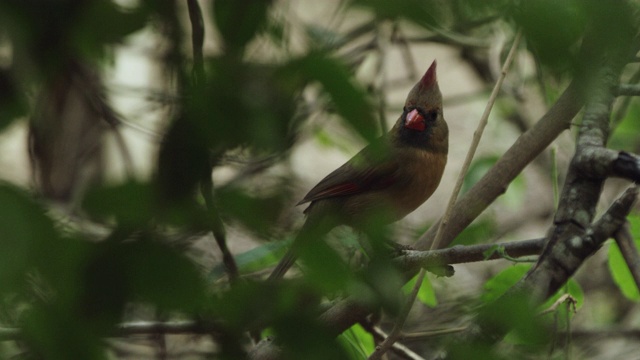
136,328
217,226
477,135
395,333
399,349
206,184
409,62
623,107
414,259
379,85
566,298
423,335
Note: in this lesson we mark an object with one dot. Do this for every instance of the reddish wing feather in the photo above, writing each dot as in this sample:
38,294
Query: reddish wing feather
349,179
337,190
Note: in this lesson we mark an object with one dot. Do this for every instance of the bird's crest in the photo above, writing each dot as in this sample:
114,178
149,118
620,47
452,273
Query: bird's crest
429,78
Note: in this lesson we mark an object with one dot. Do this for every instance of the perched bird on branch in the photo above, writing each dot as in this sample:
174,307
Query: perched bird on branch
386,180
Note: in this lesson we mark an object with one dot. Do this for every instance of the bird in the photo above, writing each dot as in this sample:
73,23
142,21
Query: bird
388,179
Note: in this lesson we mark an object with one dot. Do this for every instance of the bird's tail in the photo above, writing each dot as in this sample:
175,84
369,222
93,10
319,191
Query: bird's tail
307,234
284,265
316,226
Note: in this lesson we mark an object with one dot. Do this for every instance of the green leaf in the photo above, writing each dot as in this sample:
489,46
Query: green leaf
621,274
350,100
552,29
624,136
477,170
499,284
357,342
324,268
618,266
240,20
478,232
130,203
144,270
294,333
55,333
255,259
426,294
12,102
257,213
421,12
103,22
26,234
164,277
575,290
513,197
254,106
565,311
571,288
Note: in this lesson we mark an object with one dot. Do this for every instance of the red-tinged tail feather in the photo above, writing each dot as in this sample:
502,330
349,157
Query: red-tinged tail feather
429,78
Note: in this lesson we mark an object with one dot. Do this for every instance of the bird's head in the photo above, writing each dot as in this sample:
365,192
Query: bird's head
422,124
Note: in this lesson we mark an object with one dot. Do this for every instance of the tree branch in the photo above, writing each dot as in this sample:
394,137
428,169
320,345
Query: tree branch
412,260
553,269
573,237
217,226
522,152
138,328
628,90
399,349
197,39
566,256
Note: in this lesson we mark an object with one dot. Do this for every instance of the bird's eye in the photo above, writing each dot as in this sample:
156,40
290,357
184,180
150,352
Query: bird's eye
433,115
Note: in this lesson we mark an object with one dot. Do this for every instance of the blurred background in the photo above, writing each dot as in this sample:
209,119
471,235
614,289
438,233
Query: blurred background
110,117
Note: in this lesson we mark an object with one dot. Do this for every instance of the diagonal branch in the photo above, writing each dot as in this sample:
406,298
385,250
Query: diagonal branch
551,271
520,154
573,237
217,226
560,262
197,39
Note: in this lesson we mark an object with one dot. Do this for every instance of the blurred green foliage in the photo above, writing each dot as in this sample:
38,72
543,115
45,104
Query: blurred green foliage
358,343
68,292
426,294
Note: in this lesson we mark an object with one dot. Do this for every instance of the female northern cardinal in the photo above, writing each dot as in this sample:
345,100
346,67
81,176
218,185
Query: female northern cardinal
387,179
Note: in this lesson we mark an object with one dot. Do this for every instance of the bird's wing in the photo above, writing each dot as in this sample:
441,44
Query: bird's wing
358,175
